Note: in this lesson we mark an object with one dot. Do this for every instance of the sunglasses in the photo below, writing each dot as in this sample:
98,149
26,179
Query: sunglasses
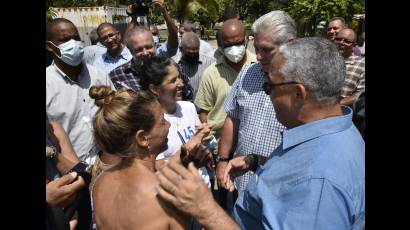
268,87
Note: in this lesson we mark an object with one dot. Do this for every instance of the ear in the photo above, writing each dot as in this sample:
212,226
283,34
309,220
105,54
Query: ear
141,139
301,94
52,48
153,89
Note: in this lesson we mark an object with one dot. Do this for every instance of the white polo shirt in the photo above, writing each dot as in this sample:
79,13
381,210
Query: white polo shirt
68,102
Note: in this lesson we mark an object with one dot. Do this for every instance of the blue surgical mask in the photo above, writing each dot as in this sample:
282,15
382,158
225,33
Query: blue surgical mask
71,52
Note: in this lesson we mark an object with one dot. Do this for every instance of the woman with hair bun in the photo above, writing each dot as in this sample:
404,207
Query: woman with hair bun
131,125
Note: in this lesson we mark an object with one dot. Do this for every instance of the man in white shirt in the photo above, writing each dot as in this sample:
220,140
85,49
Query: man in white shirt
68,80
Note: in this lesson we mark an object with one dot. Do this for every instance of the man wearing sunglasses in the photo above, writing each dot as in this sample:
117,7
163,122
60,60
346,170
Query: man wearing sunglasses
354,83
117,53
315,178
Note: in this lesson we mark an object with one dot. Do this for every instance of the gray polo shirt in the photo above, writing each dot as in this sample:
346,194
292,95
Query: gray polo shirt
68,102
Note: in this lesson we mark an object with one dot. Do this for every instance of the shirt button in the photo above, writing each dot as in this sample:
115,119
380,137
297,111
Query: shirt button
84,100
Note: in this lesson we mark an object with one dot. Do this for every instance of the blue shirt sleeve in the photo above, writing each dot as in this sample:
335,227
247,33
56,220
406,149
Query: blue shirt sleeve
310,204
165,50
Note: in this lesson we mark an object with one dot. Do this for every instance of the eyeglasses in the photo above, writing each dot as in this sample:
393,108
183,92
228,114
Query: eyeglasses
343,40
111,36
268,87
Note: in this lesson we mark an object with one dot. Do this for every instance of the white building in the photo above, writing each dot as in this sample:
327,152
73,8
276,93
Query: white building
88,18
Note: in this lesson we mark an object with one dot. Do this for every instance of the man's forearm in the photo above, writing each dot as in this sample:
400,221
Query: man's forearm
172,29
63,164
61,140
215,218
229,135
133,23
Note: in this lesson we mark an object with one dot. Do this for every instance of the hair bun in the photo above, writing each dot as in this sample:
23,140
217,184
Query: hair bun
101,94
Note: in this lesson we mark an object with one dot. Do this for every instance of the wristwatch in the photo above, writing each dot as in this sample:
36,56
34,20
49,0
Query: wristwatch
219,159
54,153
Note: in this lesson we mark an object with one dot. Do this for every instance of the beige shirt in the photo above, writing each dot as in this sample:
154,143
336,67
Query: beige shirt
68,102
214,87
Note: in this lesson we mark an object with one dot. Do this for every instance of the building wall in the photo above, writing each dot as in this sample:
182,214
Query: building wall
88,18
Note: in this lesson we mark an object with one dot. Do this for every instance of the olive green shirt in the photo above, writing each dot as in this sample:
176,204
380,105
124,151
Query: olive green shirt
215,85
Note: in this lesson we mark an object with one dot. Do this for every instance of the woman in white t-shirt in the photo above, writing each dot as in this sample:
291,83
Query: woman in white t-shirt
161,76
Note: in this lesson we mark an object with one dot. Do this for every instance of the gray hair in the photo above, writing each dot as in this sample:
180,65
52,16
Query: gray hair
316,63
189,38
137,29
279,24
188,27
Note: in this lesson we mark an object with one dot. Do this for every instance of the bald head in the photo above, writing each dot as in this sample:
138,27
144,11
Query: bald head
233,33
347,33
189,47
53,27
233,27
346,40
189,39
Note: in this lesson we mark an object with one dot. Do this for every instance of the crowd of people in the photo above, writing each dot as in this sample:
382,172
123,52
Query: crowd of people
144,134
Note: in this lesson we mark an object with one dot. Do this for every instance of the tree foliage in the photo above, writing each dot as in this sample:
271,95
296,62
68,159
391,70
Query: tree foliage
307,13
195,10
310,12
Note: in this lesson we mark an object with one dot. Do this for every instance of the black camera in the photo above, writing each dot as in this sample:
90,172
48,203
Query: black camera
139,8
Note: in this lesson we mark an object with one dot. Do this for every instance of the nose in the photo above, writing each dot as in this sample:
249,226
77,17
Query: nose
180,83
258,55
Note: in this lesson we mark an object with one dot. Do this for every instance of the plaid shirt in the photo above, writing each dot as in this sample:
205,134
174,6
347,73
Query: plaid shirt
128,76
259,130
354,82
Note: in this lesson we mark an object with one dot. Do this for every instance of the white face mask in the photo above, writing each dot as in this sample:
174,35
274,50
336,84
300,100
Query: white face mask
235,53
71,52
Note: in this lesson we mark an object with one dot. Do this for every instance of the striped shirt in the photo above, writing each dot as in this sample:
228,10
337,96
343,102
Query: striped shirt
354,83
259,131
194,71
